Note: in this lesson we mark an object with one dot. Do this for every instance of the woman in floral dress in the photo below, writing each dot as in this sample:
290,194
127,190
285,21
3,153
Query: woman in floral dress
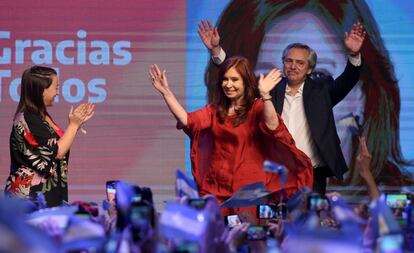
39,149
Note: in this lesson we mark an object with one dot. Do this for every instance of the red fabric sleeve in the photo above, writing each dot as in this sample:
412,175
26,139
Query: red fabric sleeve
279,146
198,129
199,120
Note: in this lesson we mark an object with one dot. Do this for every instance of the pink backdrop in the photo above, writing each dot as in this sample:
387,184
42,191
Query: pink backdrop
132,135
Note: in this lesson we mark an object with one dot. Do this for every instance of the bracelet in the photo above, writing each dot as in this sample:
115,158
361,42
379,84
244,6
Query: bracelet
266,99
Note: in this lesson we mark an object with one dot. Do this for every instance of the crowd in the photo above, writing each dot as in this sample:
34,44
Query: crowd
306,222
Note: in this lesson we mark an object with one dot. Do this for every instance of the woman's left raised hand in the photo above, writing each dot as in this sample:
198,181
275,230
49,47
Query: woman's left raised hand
268,82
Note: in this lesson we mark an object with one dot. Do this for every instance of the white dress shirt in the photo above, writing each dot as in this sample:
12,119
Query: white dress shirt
293,115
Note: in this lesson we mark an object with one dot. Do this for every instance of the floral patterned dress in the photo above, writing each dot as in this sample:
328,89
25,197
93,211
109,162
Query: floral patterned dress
34,167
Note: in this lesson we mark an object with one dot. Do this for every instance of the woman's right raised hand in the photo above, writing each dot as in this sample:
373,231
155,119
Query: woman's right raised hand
159,79
81,114
160,83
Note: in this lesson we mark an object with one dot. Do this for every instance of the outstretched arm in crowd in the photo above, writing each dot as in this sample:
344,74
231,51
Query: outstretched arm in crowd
160,83
363,165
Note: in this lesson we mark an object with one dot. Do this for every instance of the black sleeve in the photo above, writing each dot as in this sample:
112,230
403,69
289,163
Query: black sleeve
41,143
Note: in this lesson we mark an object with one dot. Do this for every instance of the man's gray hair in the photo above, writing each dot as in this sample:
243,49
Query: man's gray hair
312,54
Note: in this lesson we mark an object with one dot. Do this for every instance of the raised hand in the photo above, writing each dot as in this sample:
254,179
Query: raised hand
353,40
81,114
268,82
363,160
208,34
363,165
237,235
159,79
276,228
160,83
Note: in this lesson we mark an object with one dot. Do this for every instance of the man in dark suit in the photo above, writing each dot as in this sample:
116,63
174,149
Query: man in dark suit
306,104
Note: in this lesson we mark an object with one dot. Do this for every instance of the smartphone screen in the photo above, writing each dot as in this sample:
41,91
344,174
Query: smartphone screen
397,200
187,247
232,220
197,203
111,190
266,211
139,212
318,203
391,243
136,195
256,233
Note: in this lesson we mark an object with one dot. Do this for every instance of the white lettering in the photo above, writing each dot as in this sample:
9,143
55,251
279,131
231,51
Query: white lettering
44,55
14,89
79,90
81,47
60,52
5,57
125,54
100,56
3,73
94,88
20,46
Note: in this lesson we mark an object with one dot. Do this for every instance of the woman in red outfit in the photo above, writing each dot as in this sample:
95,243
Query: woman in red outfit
232,136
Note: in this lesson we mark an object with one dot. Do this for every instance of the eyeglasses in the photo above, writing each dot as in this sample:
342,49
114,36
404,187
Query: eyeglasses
300,64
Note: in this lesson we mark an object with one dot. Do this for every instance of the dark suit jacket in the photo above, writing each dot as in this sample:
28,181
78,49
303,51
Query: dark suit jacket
319,97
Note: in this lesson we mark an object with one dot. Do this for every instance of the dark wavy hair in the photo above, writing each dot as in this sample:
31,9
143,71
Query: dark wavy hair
221,101
242,27
34,81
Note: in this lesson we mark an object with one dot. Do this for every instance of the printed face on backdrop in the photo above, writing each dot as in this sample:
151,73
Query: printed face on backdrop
309,29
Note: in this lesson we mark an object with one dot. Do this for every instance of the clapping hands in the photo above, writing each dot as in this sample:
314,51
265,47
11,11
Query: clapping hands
81,114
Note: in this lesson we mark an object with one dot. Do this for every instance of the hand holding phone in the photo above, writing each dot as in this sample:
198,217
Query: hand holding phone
232,220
